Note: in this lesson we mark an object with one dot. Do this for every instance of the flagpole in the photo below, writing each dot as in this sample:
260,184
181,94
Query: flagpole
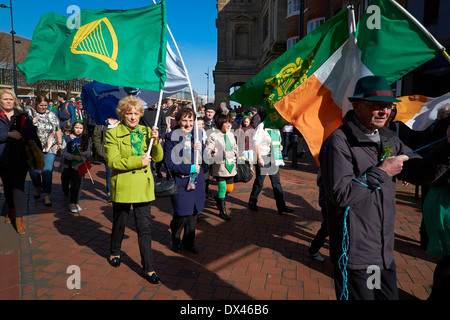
351,13
190,88
429,35
158,112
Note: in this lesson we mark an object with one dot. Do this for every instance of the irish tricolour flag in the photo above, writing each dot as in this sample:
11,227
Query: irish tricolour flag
419,112
310,83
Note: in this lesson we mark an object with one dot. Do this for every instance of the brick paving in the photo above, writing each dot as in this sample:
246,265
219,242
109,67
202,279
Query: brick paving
255,256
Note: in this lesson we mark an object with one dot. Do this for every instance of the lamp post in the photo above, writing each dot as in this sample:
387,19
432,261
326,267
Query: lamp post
13,45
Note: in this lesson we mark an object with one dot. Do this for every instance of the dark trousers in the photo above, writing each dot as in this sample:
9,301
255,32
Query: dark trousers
357,284
441,280
65,180
259,183
186,223
77,183
14,188
322,234
142,217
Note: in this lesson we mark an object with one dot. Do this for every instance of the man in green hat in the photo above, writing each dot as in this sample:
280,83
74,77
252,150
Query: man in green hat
360,162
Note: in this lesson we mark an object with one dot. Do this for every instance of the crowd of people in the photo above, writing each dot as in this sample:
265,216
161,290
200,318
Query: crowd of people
360,163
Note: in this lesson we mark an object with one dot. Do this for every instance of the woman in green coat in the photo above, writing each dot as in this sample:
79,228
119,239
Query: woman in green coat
132,180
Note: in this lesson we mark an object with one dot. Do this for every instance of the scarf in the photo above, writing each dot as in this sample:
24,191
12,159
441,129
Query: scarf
229,163
137,139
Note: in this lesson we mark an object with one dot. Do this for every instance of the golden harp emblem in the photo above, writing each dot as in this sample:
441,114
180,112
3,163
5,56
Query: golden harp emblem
89,40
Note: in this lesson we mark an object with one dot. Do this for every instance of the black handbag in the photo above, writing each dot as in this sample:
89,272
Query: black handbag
243,172
166,188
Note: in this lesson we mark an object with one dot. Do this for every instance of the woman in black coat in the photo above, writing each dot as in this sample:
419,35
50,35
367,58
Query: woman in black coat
179,150
14,160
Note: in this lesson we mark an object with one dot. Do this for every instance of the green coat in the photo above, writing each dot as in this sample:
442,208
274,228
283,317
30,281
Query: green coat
130,182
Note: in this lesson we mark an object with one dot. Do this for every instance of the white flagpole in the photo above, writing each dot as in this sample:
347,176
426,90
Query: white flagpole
190,88
158,111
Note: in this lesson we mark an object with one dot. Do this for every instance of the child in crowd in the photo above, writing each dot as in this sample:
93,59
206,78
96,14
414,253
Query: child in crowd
244,137
75,149
64,165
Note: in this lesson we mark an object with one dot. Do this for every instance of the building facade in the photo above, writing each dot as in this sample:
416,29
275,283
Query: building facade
253,33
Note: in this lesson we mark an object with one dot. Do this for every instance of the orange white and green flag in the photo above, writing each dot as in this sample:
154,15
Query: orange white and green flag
313,94
419,112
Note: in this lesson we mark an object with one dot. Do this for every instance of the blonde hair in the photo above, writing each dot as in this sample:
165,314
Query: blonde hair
11,92
128,103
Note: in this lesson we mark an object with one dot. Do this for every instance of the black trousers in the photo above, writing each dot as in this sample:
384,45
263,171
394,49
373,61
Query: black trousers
77,184
142,217
14,188
322,234
186,223
358,288
441,280
259,183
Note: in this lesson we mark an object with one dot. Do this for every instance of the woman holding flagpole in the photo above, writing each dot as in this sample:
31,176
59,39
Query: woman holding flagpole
127,153
179,154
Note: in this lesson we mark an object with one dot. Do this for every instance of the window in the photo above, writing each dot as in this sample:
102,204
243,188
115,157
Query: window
293,7
265,26
291,42
242,42
313,24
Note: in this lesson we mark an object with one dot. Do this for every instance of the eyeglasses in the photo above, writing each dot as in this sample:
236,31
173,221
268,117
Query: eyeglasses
380,106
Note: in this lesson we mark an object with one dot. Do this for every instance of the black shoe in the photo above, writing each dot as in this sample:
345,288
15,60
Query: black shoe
192,249
177,248
153,279
224,216
285,209
115,262
253,207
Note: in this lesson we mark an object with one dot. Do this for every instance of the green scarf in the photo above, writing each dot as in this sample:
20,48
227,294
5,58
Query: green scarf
228,147
137,141
276,144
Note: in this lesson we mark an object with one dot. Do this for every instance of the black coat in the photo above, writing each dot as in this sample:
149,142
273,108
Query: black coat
14,154
148,120
348,159
185,201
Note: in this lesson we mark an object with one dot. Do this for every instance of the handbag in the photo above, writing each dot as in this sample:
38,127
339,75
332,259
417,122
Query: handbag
243,172
167,188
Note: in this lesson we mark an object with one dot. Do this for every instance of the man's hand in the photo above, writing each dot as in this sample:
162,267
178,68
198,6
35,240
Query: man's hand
393,165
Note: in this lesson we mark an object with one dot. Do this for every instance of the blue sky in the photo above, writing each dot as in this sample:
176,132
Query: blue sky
192,24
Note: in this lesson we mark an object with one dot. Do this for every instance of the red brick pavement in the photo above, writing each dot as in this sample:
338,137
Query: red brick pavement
260,256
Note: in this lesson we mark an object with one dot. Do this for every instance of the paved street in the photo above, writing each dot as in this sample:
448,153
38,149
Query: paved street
255,256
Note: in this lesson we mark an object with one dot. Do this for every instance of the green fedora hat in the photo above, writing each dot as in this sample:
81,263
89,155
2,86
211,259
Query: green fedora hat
373,88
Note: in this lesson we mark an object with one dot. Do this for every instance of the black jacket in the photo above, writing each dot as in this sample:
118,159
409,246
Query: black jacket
148,120
348,160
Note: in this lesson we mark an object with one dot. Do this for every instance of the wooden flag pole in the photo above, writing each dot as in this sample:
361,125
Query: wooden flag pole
89,172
